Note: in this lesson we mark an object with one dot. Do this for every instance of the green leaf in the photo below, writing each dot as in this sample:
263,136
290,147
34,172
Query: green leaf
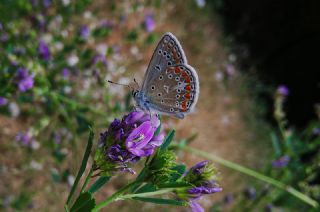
179,171
276,144
175,185
85,202
99,183
167,141
83,165
161,201
146,188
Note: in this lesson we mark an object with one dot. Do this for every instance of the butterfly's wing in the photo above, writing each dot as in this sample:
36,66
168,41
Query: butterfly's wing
171,86
167,53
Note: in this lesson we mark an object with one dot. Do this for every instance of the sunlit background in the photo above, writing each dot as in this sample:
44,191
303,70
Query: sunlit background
258,104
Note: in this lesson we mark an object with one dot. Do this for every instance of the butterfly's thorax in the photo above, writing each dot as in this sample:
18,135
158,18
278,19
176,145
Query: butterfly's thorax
141,100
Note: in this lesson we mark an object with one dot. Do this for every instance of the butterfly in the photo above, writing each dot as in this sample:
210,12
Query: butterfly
170,85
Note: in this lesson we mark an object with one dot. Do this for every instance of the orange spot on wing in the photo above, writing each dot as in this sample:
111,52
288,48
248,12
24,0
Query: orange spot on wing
184,106
177,70
188,87
184,74
187,96
187,79
175,56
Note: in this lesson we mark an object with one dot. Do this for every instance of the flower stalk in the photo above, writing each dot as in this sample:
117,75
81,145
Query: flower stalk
302,197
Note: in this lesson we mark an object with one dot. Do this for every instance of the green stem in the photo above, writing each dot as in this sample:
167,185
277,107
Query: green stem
148,194
252,173
86,180
82,167
115,197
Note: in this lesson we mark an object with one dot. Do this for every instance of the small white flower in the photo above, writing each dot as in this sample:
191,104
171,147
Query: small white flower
67,89
14,109
87,15
64,33
36,165
134,50
218,76
72,60
232,58
58,46
201,3
65,2
71,180
35,145
102,49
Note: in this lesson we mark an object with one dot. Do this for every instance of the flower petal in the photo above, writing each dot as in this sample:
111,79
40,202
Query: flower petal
196,207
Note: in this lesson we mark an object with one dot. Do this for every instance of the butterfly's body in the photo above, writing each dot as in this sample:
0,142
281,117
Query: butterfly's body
170,86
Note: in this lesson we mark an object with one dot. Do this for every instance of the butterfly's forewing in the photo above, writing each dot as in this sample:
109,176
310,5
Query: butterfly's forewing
168,53
170,84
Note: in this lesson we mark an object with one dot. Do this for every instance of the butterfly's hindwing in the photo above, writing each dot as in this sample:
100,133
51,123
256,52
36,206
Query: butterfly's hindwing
175,91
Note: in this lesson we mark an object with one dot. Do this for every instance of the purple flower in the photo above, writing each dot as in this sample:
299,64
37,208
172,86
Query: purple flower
201,177
126,141
199,167
195,207
100,59
84,32
65,73
43,50
23,79
46,3
149,23
24,138
3,101
281,162
283,90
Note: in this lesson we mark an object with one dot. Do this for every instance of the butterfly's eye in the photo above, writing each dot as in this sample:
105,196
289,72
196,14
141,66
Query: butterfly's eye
135,93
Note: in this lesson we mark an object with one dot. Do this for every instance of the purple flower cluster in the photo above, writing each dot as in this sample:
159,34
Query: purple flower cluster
128,140
23,79
200,176
43,50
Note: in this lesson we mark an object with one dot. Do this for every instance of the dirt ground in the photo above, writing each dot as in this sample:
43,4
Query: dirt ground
225,120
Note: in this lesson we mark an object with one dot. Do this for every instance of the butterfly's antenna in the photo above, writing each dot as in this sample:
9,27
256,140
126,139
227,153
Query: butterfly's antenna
135,81
109,81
